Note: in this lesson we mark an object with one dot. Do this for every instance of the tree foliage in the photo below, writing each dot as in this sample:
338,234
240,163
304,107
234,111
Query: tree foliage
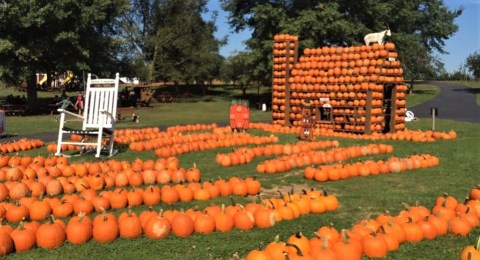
48,36
173,40
414,23
473,64
238,69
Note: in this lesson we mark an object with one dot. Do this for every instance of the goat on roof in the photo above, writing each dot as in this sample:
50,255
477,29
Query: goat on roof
378,37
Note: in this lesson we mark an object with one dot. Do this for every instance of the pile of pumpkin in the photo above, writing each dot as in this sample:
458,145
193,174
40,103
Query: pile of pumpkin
54,175
245,155
191,128
225,141
23,144
38,208
393,164
374,238
288,162
405,135
107,227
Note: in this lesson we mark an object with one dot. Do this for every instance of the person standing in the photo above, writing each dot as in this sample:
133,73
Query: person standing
79,102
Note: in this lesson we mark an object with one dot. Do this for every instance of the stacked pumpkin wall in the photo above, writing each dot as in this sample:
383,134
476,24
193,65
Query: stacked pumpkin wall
285,56
358,89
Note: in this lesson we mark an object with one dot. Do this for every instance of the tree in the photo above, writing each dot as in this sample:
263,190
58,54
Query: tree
473,64
238,69
49,36
172,41
414,23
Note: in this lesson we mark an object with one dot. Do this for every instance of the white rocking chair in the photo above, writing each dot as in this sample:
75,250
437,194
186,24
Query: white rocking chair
98,117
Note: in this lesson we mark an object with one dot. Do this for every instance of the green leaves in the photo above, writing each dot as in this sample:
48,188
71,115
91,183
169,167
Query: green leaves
473,64
343,22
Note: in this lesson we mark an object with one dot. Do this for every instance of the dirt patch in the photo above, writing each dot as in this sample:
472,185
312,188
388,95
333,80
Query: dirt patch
284,189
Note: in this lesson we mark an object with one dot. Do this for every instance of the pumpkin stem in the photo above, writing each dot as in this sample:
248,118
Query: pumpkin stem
469,256
382,229
325,243
271,202
406,205
478,244
345,236
21,225
51,219
277,238
299,251
81,215
280,193
233,201
236,256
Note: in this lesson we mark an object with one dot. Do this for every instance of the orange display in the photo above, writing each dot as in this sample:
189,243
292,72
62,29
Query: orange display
239,115
358,89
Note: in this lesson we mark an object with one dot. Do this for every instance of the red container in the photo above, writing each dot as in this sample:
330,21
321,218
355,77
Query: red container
239,115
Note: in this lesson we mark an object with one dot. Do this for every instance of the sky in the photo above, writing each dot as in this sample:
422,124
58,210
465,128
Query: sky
463,43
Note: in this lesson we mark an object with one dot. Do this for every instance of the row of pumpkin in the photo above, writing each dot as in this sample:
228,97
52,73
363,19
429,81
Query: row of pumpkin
107,227
375,238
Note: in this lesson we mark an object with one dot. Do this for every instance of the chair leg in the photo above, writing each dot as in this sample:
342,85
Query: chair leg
99,142
60,135
110,145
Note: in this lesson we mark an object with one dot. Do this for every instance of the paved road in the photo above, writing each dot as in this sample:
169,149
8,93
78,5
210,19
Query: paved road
455,101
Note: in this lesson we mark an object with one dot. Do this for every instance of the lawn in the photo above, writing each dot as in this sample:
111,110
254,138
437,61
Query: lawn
421,93
360,198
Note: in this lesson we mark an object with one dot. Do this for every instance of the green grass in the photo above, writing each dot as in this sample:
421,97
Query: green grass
360,198
422,93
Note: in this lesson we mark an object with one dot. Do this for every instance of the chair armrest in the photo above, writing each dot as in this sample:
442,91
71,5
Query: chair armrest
60,110
108,114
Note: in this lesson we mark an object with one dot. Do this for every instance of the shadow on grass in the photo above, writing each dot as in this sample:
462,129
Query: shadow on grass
469,90
423,92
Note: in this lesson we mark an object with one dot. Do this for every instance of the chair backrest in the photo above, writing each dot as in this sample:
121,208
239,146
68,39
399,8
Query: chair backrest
100,95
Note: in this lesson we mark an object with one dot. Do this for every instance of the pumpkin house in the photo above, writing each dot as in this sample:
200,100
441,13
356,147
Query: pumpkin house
357,89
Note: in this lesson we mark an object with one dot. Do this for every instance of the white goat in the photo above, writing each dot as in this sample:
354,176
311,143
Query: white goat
378,37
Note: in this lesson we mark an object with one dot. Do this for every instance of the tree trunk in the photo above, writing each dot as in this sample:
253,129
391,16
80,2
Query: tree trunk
204,89
410,89
49,80
32,93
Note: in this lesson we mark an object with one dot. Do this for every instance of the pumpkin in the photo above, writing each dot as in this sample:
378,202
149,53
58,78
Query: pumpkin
470,252
79,230
182,225
51,234
300,242
23,239
157,227
374,246
129,224
6,244
264,217
105,228
204,224
223,220
243,220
